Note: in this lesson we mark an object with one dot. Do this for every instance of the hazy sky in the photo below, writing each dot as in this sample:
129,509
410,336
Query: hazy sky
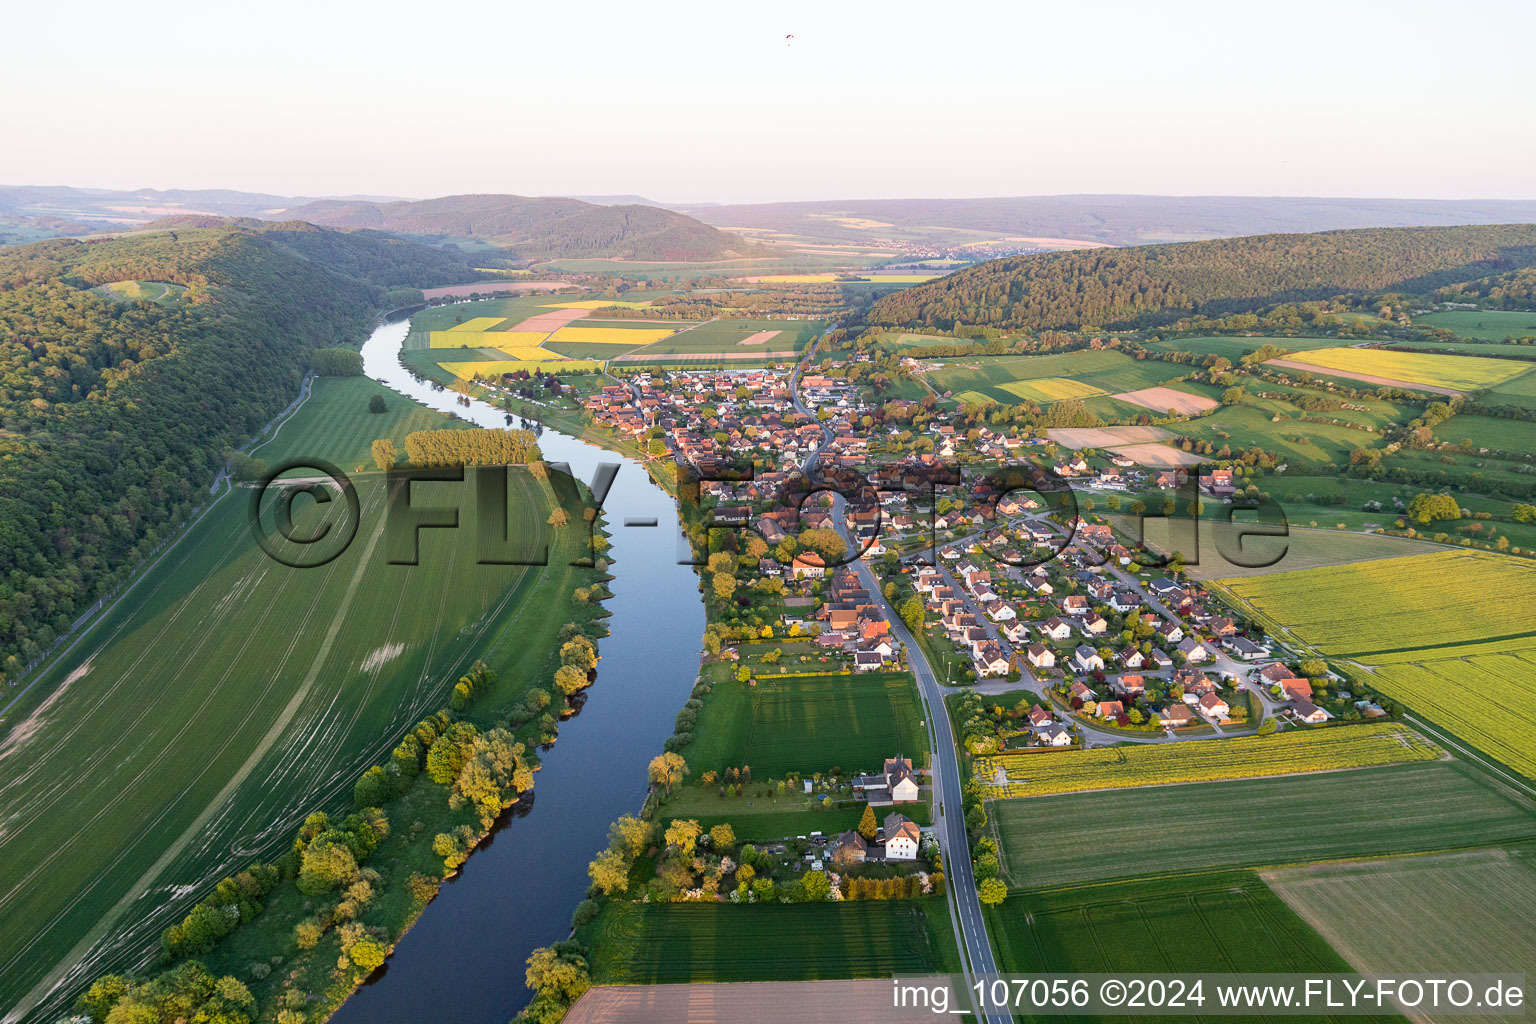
682,101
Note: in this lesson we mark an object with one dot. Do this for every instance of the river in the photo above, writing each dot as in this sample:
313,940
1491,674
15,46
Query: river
463,960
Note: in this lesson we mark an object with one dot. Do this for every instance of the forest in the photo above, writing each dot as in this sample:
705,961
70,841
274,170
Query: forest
114,415
1157,284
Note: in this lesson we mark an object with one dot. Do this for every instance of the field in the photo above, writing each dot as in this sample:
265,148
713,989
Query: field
159,292
1488,432
1461,373
1428,916
1303,548
669,943
1235,348
1489,324
1166,400
1061,840
1428,600
488,369
1050,389
1158,456
227,696
988,377
1161,764
1480,692
726,336
1106,437
1518,391
809,724
1223,922
607,335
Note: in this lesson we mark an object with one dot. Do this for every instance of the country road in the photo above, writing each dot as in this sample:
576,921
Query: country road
949,820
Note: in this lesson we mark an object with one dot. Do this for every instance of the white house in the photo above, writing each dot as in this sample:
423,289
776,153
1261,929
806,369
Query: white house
1087,659
901,837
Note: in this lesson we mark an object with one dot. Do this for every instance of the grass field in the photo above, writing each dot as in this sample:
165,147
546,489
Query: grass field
1223,922
1157,764
1479,692
1235,348
1490,324
1427,916
1517,391
1437,599
989,376
756,816
1303,547
161,293
1060,840
1489,432
1251,424
1050,389
669,943
727,335
809,724
227,696
1463,373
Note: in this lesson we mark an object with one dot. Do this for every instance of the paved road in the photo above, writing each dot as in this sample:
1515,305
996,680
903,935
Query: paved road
949,820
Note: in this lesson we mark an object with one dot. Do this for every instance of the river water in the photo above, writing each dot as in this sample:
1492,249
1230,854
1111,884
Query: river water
463,960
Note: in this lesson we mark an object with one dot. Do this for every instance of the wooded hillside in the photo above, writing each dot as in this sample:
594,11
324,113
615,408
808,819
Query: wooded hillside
114,415
1155,284
537,228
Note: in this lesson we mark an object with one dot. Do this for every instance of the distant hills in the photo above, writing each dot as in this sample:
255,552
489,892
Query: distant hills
538,228
1149,285
1104,219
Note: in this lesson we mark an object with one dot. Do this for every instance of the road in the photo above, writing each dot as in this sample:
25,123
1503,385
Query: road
949,820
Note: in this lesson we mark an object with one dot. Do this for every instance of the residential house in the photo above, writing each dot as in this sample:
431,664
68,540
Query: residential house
900,835
1087,659
1041,656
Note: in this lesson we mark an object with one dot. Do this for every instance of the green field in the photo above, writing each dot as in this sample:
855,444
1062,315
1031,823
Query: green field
1488,432
1303,547
761,813
1431,600
726,336
672,943
809,724
1443,914
1490,324
988,377
1250,424
1519,391
1235,348
159,292
1462,373
1159,764
1223,922
1060,840
227,696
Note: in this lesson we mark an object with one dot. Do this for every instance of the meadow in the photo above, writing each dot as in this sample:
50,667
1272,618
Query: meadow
227,696
1479,692
1222,922
1251,424
1235,348
1301,548
162,293
1436,599
671,943
727,335
1446,913
1440,805
1159,764
1462,373
1489,432
1488,324
988,377
809,724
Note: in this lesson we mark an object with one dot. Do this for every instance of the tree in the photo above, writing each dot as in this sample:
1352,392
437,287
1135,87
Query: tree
1429,508
559,517
722,836
376,405
384,454
724,585
992,891
667,769
816,886
683,834
1267,727
867,824
610,872
629,835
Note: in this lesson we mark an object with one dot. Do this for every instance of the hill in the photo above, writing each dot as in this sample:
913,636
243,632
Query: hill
1103,219
537,228
114,416
1148,285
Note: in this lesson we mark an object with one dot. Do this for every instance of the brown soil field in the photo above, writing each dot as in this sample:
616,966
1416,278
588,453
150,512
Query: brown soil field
1159,456
1105,437
551,321
1163,399
759,338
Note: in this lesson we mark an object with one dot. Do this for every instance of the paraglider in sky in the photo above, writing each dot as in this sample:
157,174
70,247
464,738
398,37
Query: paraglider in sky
787,38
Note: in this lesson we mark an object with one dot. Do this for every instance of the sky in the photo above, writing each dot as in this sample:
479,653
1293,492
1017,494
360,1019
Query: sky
714,102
